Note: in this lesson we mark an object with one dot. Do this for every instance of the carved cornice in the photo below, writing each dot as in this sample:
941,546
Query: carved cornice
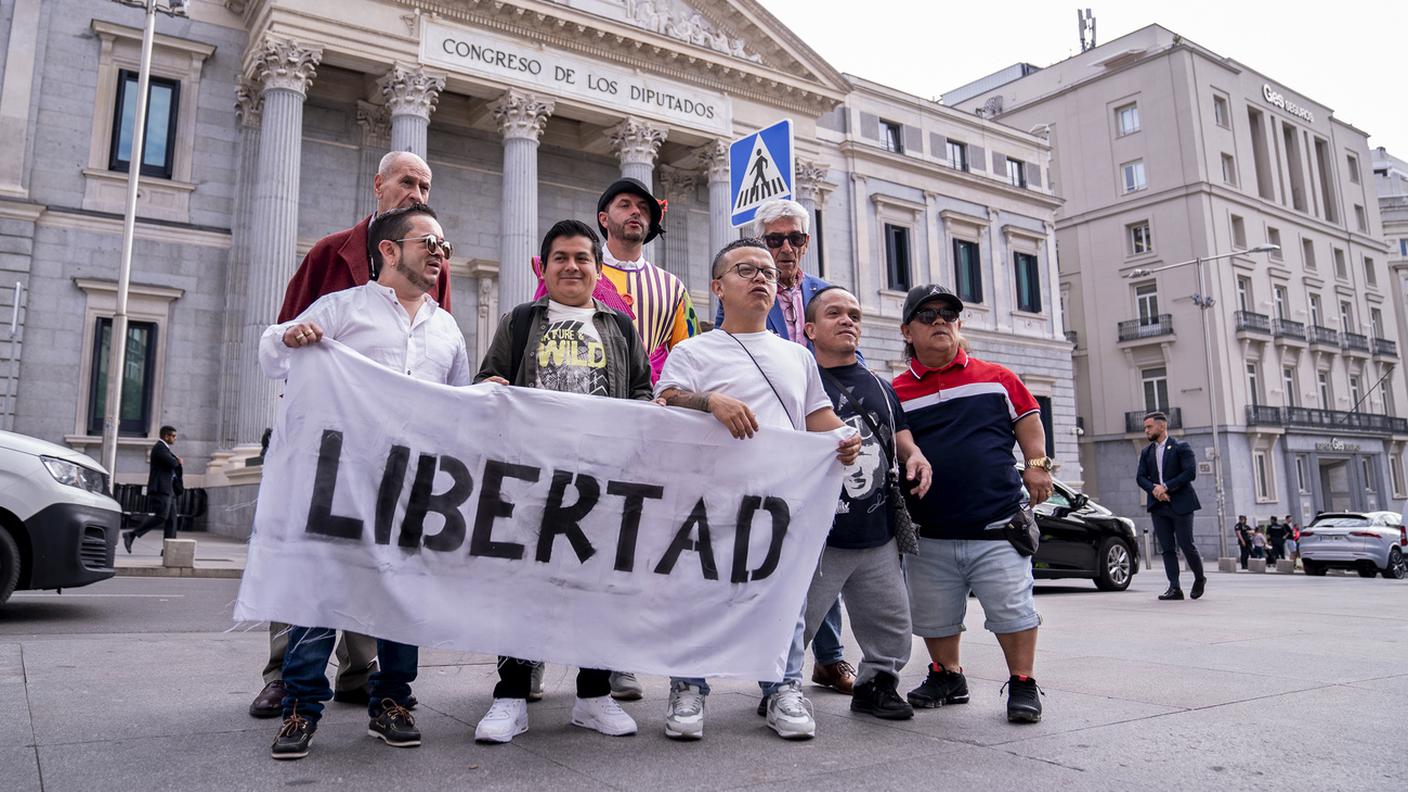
249,102
811,181
284,64
411,90
678,184
713,157
679,21
636,142
375,121
522,115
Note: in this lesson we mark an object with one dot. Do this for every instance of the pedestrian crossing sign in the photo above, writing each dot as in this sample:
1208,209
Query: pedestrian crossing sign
760,169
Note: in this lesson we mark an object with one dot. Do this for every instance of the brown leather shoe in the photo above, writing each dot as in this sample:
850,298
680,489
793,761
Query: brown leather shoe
270,701
839,676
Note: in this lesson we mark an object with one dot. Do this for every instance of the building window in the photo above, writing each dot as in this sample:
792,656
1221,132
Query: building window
1361,219
1028,282
1366,465
968,272
1370,277
1347,315
897,257
1315,310
1220,112
1288,384
1133,175
1229,170
958,155
1017,173
1376,321
1273,236
1141,239
1253,384
1341,271
1043,404
1239,233
1155,388
1279,292
1127,119
1403,247
1303,474
1395,469
1146,300
892,136
163,96
1352,165
1322,380
1354,394
1307,254
1387,391
1244,293
1264,484
138,381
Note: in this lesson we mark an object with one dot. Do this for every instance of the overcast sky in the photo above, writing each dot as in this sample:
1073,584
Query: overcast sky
1339,54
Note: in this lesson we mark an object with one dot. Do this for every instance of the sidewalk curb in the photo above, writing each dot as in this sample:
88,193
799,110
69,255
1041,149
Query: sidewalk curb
178,572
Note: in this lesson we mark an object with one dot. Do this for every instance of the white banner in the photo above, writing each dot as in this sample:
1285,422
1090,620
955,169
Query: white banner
594,532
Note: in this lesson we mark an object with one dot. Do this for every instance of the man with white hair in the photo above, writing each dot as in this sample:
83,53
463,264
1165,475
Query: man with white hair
783,226
342,261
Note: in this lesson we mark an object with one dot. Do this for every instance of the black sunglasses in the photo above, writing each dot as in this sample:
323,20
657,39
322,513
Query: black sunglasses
433,245
795,238
929,315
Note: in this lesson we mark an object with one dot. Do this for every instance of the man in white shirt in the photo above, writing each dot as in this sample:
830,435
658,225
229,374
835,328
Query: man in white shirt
750,380
394,322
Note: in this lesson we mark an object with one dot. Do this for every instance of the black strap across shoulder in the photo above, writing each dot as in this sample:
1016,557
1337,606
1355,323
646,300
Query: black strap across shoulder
850,396
766,379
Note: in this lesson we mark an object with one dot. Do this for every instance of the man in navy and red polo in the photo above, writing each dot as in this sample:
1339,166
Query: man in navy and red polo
966,414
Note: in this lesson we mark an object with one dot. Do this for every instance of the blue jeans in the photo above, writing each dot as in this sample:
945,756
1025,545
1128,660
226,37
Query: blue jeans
826,645
793,674
306,680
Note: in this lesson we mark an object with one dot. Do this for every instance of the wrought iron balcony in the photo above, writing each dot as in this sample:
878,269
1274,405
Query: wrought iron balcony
1134,419
1385,348
1285,328
1334,420
1323,335
1251,321
1151,327
1262,415
1355,341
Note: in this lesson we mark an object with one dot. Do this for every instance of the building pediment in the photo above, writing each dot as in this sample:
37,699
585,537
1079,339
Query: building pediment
735,46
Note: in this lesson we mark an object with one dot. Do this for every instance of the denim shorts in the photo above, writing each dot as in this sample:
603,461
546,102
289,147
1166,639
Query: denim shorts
943,573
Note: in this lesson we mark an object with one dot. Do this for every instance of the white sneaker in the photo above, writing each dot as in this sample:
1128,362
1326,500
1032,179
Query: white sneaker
535,682
602,714
684,717
789,714
507,718
626,687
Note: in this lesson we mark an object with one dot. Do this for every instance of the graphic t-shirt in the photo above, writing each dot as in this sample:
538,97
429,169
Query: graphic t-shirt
571,357
863,516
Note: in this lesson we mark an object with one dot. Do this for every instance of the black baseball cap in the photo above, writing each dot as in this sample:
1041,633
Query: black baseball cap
635,187
929,291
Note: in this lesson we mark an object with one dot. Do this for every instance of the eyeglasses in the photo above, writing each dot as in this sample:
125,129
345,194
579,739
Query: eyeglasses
796,239
750,271
433,245
929,315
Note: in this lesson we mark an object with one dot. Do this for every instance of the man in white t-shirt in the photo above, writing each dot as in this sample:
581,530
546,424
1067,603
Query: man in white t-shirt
751,381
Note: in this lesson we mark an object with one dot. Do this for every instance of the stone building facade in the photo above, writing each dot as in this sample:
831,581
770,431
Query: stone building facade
268,119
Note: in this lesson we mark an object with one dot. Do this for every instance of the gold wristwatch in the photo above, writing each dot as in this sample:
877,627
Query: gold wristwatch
1045,463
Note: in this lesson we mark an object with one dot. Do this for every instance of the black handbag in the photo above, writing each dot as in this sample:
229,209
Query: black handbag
1023,532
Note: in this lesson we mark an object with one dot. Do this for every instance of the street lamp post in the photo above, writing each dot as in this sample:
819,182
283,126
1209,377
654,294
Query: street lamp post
1204,303
117,338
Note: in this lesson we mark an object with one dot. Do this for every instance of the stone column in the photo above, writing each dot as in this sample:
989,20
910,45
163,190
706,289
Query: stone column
282,70
713,158
677,186
811,183
635,144
411,94
521,117
375,121
236,359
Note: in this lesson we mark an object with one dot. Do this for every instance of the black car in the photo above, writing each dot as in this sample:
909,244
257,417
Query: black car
1082,539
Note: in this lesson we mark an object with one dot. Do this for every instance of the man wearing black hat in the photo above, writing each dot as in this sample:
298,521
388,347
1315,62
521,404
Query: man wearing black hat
1167,468
629,217
965,415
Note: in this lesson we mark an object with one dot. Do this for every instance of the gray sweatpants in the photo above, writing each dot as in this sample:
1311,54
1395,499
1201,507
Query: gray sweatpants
871,583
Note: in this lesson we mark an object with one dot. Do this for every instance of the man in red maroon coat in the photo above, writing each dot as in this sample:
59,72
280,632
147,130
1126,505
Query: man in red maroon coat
341,261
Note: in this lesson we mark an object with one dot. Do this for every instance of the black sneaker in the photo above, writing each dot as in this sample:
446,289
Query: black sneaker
878,697
1023,699
293,738
395,726
940,688
1172,594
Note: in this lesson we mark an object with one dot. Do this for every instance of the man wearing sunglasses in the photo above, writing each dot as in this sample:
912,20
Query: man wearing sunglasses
336,262
783,225
966,414
394,322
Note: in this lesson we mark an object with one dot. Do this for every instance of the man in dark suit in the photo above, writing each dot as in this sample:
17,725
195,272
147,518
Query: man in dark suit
1166,471
163,487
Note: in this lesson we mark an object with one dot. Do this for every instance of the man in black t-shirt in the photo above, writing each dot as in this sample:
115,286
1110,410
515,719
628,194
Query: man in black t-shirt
1276,534
1243,532
861,561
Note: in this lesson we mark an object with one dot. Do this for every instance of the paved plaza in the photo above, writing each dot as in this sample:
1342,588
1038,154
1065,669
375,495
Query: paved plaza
1270,682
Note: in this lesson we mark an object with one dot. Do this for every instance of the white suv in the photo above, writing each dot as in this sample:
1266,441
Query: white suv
58,526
